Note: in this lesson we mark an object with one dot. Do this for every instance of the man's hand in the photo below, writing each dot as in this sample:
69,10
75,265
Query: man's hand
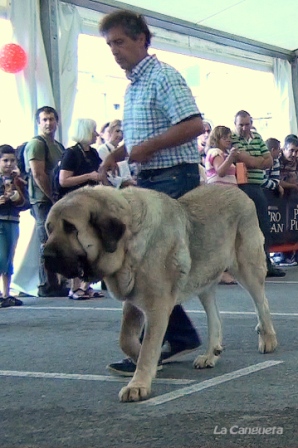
140,153
2,199
280,190
109,165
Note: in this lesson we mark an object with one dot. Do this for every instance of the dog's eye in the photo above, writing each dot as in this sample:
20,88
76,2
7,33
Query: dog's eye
68,227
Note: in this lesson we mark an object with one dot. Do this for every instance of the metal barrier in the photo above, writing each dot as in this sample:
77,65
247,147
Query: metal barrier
283,214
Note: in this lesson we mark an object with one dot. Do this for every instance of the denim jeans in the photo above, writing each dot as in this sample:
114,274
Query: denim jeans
40,211
9,235
175,181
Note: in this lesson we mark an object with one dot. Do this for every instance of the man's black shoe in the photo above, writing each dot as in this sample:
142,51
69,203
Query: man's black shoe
126,367
273,271
46,291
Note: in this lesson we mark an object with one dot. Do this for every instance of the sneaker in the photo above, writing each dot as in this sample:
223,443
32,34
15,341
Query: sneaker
126,367
170,353
10,301
47,291
288,263
277,257
273,271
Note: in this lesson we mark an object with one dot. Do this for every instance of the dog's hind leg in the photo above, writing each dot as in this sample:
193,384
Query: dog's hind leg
251,274
214,349
139,388
131,328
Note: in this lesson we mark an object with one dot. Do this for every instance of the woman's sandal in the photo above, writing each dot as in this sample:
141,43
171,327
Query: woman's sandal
78,294
94,294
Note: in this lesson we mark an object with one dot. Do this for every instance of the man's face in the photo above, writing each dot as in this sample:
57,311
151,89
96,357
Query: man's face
126,51
290,152
243,126
47,123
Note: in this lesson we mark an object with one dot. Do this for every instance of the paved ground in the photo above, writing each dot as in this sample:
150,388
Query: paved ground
56,392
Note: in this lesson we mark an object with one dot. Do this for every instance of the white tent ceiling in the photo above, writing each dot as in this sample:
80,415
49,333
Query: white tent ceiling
273,22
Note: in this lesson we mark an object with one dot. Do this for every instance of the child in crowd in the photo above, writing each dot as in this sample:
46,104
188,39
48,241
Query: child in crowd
220,158
272,175
12,198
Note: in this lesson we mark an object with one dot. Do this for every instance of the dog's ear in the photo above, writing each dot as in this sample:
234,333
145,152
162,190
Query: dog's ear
110,231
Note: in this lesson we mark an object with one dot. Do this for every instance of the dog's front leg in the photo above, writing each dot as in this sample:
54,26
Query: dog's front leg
139,388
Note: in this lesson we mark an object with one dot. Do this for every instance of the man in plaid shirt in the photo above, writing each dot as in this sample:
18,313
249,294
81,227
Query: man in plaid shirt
161,124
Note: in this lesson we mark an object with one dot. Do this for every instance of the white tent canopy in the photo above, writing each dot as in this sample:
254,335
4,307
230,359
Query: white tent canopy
252,33
199,28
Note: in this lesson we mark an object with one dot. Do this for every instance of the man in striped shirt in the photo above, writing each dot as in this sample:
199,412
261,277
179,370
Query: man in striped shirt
257,158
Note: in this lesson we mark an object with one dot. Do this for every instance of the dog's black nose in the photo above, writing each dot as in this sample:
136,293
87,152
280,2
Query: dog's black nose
50,259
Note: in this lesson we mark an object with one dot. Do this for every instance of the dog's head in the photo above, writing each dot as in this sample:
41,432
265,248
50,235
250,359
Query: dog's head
86,234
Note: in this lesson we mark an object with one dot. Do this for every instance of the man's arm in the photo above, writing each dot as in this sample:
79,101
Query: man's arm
176,135
263,162
37,168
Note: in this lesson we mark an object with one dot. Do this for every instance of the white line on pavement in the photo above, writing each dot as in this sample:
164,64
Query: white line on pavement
85,308
74,376
161,399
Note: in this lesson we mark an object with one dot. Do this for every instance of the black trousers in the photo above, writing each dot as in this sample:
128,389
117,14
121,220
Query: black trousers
175,181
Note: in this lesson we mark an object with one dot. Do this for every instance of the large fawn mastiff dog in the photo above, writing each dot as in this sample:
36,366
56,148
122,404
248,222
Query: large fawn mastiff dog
154,252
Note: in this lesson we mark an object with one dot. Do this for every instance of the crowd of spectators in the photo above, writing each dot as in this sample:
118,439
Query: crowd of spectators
223,153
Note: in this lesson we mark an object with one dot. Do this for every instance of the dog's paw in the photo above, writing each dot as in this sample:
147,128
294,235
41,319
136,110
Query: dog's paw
267,343
204,361
134,393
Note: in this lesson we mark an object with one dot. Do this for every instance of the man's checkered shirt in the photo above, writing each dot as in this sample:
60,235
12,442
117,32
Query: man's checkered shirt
158,98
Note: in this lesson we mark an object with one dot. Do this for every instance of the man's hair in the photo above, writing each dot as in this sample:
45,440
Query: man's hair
82,130
291,139
217,133
272,143
6,149
132,24
243,114
47,110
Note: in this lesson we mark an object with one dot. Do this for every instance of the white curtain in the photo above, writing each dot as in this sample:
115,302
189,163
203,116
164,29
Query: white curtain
33,83
283,81
34,90
69,23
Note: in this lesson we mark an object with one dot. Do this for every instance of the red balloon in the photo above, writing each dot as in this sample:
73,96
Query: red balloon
13,58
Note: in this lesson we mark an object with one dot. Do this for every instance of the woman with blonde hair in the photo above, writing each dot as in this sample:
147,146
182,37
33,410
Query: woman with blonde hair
112,136
79,167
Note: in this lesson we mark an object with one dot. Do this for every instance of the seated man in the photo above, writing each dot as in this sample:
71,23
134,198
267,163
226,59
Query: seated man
257,158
